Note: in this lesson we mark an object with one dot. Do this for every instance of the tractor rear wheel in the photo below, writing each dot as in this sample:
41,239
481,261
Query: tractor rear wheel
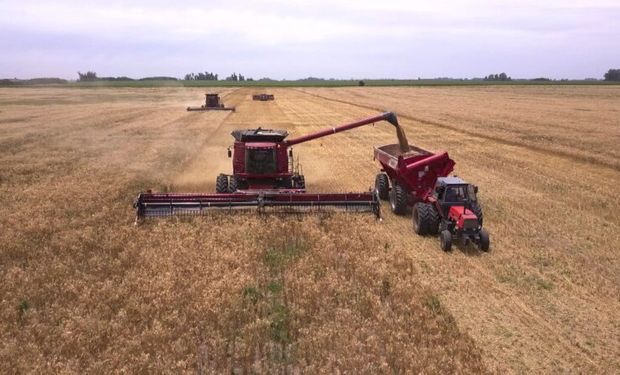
425,219
382,186
476,209
221,184
398,199
484,240
433,220
445,240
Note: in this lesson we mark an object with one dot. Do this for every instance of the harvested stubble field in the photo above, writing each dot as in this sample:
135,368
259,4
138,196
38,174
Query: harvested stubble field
83,290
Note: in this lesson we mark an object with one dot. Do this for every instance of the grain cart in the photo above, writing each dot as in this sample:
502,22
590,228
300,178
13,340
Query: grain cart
441,204
263,97
212,103
264,175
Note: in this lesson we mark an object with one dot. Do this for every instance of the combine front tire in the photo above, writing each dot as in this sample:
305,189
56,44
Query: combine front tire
234,185
382,186
301,182
398,199
445,240
221,184
484,240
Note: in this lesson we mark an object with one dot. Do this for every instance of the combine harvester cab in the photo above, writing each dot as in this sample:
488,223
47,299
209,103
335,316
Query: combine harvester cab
442,205
265,176
212,103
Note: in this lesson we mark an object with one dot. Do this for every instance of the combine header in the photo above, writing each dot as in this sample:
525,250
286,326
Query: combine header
264,176
212,103
263,97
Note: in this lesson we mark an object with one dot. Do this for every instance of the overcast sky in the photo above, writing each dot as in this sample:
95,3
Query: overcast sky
322,38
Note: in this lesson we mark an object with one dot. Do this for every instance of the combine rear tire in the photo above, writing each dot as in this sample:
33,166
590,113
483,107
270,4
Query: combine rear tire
221,184
425,219
398,199
382,186
445,240
484,240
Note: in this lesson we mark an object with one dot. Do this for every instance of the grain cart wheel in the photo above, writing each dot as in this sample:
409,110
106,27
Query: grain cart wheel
484,240
445,240
221,184
476,209
382,186
398,199
234,185
425,219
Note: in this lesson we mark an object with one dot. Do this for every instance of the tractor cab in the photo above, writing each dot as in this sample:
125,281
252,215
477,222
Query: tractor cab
458,203
453,191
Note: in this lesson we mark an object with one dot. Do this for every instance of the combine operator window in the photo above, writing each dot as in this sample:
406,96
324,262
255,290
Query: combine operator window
261,161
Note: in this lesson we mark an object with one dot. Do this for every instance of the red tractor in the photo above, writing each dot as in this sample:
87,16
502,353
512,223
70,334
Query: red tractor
263,175
442,205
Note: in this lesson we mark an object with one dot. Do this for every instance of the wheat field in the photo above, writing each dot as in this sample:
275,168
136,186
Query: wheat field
86,291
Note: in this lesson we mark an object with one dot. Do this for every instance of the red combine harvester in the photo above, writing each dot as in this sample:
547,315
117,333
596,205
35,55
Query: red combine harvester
212,103
264,175
263,97
441,204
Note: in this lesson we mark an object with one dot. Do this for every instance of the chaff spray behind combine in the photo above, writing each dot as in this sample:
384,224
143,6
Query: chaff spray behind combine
265,177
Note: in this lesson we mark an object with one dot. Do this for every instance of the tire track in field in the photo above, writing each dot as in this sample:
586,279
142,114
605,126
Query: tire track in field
524,310
400,231
580,158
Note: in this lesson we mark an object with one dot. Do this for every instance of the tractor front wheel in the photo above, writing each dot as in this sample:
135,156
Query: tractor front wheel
485,242
445,240
382,186
398,199
221,184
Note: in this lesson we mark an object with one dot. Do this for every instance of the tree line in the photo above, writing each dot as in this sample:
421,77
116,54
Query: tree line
498,77
208,76
92,76
612,75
